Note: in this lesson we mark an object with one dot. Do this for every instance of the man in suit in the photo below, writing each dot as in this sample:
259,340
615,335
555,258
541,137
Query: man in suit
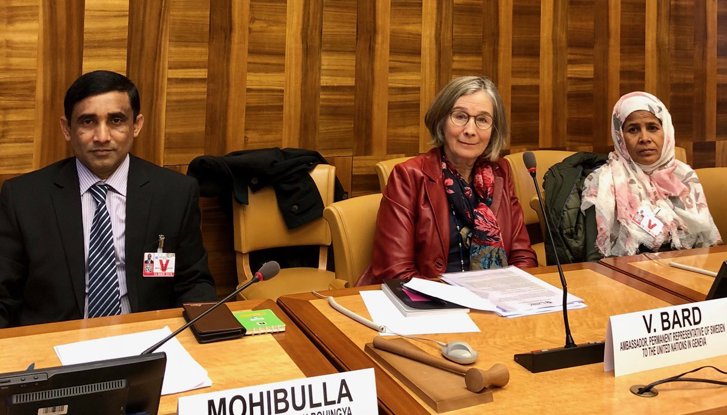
52,220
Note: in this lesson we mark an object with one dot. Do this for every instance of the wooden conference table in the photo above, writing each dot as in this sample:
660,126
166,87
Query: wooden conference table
654,269
251,360
578,390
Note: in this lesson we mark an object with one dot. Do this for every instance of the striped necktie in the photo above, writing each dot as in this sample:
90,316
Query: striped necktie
103,284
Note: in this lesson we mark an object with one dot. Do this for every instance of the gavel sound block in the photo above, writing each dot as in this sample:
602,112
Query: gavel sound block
441,389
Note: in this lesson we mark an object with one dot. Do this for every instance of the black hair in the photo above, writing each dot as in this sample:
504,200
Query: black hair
96,83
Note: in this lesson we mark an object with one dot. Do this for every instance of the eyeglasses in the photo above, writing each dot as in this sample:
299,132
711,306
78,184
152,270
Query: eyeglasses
461,118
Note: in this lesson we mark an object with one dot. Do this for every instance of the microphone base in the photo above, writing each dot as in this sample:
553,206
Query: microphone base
560,358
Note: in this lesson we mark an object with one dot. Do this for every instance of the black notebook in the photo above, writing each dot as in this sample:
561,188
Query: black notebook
410,302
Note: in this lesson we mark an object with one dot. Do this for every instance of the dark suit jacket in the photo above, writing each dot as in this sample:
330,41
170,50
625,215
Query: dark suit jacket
412,226
285,169
42,269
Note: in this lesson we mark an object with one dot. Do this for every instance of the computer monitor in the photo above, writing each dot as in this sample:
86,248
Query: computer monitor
719,286
127,385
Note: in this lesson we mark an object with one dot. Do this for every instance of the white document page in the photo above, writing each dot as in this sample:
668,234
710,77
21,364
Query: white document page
182,373
513,291
385,313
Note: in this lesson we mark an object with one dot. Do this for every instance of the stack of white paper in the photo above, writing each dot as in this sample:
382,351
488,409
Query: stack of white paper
384,313
182,373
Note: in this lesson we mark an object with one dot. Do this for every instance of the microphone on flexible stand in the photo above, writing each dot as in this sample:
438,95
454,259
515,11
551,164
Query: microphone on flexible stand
571,354
267,271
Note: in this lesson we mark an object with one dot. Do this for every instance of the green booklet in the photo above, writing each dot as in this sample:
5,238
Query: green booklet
259,321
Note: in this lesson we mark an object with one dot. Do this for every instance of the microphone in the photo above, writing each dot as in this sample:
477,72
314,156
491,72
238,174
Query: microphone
571,354
267,271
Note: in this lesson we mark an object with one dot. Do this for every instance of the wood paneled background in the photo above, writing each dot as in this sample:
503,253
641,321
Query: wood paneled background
352,79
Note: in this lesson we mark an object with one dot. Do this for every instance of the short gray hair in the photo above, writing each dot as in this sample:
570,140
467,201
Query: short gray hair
440,109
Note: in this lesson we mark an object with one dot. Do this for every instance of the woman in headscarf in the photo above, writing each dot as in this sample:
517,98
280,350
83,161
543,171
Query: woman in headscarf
645,199
453,208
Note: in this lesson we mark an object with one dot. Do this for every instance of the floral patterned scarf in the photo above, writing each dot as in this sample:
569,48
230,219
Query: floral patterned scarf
668,188
471,206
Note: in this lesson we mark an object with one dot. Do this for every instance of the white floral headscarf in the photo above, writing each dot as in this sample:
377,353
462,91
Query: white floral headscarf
668,188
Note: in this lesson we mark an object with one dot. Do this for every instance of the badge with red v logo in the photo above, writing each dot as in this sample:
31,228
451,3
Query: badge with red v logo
648,221
158,264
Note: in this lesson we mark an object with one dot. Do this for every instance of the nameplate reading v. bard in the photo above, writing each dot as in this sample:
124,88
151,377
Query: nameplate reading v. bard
341,393
666,336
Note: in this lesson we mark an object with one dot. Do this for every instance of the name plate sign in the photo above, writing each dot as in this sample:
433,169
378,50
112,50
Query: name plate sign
666,336
341,394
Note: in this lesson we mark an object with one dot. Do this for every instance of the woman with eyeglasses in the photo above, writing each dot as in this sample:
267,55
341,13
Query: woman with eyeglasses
453,208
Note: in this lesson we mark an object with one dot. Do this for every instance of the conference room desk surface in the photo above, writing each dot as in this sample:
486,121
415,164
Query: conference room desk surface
578,390
654,269
248,361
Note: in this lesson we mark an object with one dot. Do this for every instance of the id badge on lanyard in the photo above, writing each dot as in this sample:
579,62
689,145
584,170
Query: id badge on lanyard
159,263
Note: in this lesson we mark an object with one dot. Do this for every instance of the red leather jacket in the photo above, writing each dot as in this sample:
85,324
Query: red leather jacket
412,228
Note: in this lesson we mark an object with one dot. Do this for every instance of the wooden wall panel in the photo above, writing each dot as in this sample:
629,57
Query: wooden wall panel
19,26
226,76
631,45
186,103
404,78
490,42
467,38
363,175
657,49
705,70
525,102
265,75
372,69
105,35
606,74
681,69
500,36
402,133
338,77
436,55
580,73
302,74
60,54
721,82
553,61
147,67
336,119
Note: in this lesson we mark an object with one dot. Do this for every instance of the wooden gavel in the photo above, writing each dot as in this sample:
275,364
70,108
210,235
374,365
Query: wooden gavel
475,379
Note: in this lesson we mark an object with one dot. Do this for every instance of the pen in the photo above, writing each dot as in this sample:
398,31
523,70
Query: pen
693,269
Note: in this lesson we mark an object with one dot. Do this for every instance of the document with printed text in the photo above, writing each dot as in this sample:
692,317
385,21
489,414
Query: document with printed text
509,292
